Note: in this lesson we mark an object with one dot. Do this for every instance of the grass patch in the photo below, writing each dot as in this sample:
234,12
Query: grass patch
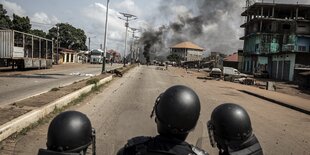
92,81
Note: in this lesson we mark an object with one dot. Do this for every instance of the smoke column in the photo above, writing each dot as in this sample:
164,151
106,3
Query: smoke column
212,24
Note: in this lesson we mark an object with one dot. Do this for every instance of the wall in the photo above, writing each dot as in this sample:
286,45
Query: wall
247,64
194,55
284,57
250,44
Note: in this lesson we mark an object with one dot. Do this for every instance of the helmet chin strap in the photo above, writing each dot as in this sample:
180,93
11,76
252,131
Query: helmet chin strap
211,133
94,141
155,105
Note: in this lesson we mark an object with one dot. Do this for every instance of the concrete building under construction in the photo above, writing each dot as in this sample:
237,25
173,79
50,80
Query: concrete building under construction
187,51
277,39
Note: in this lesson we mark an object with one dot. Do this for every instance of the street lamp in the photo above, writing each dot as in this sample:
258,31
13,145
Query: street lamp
128,17
105,38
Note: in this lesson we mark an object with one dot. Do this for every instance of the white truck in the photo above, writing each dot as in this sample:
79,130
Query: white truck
96,56
230,74
25,50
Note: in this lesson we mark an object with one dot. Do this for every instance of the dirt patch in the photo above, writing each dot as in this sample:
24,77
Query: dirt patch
8,114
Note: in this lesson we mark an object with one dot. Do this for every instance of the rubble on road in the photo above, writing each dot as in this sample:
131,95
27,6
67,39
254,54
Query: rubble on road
81,74
160,68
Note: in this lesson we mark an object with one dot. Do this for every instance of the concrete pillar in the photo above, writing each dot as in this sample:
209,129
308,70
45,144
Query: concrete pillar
74,57
65,57
69,57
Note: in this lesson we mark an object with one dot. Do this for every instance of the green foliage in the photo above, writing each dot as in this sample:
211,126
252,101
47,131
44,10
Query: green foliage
5,21
174,57
39,33
21,23
69,36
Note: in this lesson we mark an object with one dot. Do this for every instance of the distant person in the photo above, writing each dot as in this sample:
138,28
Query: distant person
230,130
176,114
70,133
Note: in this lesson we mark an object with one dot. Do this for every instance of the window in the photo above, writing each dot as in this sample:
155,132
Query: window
302,48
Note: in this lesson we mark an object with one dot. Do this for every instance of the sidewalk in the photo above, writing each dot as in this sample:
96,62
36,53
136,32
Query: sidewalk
289,101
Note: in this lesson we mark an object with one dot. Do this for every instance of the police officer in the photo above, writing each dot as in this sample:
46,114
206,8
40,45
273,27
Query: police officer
176,113
231,132
70,133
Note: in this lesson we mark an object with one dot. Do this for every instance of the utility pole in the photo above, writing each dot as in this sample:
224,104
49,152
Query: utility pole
89,43
57,54
133,44
128,17
105,38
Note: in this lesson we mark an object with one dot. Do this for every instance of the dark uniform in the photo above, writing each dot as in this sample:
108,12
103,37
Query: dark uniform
230,130
177,111
159,145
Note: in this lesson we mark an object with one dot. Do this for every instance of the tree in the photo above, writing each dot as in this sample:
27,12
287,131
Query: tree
21,23
39,33
69,36
174,57
5,22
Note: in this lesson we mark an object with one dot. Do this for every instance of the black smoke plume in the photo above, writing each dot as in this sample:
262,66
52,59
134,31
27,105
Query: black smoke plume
212,24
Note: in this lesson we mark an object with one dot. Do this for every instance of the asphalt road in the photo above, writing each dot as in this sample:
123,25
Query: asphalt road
122,111
17,86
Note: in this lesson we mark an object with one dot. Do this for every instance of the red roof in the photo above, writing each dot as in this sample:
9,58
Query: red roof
233,57
113,52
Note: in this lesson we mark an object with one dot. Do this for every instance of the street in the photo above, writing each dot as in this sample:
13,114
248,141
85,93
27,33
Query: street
14,87
122,111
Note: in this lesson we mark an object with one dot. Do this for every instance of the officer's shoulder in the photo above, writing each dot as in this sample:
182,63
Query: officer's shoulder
198,151
137,140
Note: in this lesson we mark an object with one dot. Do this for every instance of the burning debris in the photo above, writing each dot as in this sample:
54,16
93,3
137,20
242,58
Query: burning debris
213,24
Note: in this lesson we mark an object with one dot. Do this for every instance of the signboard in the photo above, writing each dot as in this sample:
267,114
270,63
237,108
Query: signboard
18,52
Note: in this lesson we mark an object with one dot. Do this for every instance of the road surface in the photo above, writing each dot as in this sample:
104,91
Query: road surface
17,86
122,111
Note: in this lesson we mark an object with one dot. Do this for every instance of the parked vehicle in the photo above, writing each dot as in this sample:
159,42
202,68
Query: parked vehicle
230,74
25,50
96,56
261,74
216,72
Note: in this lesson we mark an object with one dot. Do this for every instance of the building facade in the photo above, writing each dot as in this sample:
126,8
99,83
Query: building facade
277,39
67,56
187,51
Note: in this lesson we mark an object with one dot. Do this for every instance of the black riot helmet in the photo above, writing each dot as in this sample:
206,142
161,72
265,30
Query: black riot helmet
177,111
70,132
230,126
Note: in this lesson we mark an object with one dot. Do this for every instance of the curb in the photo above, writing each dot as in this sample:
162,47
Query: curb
287,105
23,121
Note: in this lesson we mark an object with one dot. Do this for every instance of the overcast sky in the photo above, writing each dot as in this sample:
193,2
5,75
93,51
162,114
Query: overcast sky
89,15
